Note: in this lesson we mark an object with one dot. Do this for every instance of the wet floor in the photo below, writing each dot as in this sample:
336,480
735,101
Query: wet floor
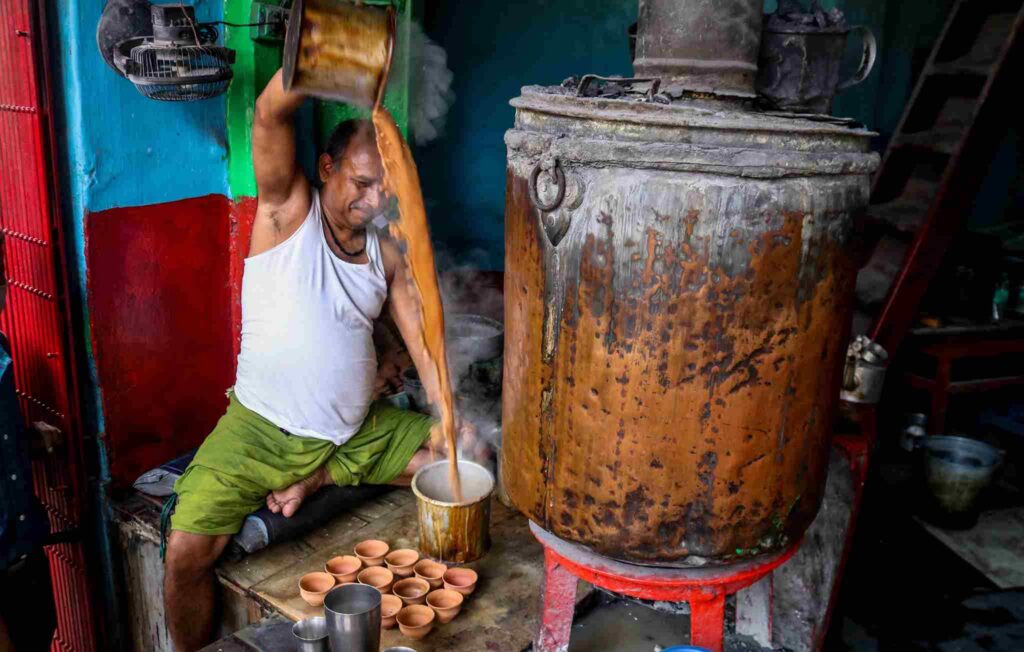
625,626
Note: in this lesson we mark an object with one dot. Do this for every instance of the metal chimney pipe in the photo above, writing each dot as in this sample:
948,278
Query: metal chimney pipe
707,46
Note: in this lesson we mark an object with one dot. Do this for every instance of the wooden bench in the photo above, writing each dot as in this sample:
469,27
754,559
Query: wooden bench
501,615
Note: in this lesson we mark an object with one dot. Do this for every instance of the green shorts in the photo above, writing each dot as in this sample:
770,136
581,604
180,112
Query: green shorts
246,457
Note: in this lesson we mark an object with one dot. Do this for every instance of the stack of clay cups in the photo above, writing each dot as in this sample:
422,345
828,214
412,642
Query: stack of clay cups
371,552
416,593
365,567
447,591
457,584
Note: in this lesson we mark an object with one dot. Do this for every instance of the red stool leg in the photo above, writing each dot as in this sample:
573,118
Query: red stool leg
707,621
557,608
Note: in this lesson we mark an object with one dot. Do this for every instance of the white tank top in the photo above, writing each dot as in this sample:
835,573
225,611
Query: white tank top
307,361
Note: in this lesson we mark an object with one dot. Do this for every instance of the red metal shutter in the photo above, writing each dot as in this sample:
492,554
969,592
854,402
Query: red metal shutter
36,318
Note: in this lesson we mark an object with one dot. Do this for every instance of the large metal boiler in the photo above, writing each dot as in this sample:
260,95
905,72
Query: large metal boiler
678,281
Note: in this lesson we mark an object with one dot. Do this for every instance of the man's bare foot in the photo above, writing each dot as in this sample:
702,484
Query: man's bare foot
288,500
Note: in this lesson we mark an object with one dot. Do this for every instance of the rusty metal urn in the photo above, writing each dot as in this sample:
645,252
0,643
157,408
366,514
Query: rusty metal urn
678,284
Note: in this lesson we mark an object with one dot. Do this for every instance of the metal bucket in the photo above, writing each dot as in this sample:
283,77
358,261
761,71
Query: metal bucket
353,618
338,50
454,532
956,471
474,338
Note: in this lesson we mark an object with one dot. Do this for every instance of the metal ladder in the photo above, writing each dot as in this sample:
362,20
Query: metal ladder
939,154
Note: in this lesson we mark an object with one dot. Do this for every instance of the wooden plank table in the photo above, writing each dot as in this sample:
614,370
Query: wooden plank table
501,615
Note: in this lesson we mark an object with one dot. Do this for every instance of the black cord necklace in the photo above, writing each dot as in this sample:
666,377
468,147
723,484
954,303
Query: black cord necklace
350,254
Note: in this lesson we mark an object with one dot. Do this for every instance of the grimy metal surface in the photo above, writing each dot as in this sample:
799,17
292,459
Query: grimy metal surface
675,327
703,45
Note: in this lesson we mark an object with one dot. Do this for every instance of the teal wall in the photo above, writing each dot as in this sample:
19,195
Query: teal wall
495,48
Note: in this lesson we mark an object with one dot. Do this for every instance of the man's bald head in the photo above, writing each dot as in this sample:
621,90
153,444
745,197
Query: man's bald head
352,175
356,130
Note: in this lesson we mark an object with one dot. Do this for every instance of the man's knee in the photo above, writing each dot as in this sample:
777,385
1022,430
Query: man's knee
191,556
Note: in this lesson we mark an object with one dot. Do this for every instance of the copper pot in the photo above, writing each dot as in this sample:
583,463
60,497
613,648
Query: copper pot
339,51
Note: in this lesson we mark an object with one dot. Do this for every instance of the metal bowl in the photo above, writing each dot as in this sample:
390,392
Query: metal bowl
311,634
957,470
473,338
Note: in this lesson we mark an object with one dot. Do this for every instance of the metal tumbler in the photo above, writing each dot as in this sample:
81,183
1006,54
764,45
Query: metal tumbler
353,618
311,634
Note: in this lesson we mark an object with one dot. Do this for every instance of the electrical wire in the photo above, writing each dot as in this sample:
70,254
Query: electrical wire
224,22
192,24
195,34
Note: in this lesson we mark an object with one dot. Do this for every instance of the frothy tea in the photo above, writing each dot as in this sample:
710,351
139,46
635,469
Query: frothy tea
403,183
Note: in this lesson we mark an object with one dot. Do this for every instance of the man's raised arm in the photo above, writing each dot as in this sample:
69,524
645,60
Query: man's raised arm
282,189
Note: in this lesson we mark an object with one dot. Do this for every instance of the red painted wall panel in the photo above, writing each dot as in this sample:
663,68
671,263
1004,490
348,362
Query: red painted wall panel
161,312
242,215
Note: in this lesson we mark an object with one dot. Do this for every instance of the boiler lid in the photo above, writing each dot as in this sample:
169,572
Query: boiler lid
686,134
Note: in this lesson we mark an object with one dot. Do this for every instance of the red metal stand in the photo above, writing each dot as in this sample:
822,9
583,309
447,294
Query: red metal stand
704,589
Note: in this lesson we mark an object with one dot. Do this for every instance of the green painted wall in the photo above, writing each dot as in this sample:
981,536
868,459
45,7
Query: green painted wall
255,64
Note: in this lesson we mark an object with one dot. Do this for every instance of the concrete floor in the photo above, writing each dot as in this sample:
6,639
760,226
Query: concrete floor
625,626
905,590
988,622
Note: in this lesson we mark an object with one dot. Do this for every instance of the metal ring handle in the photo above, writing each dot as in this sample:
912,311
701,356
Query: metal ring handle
559,180
867,59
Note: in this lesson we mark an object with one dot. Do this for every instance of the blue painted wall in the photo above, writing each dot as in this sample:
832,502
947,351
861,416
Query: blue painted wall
121,149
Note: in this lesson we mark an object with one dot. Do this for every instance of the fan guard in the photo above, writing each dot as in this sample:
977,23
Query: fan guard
179,73
178,63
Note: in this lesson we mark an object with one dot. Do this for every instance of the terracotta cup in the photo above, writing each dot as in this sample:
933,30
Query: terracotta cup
344,568
314,586
416,621
377,577
462,580
390,605
412,590
371,552
400,562
431,571
446,604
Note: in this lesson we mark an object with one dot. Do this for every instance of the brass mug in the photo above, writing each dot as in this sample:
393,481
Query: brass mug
339,51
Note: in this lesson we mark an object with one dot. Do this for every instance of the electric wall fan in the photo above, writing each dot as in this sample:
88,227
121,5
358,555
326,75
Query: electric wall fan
173,58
